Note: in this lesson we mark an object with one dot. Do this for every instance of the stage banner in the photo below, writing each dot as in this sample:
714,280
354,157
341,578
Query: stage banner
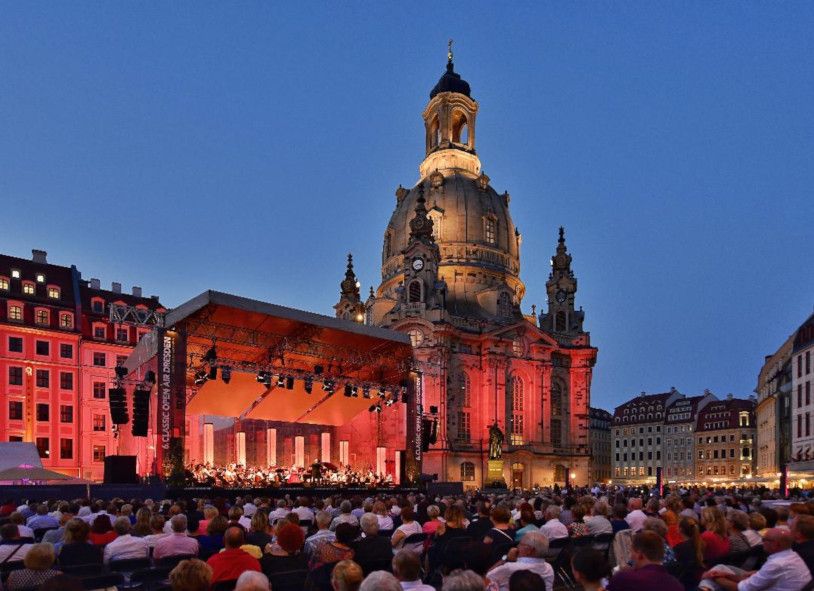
171,404
412,457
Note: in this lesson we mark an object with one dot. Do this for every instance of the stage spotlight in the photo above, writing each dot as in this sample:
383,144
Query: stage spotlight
226,374
280,381
289,383
213,372
211,356
121,372
308,384
348,390
200,377
264,377
366,391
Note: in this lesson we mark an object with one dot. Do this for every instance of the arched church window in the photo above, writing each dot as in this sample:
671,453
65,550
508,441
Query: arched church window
467,471
490,230
556,398
416,337
414,291
517,426
387,250
504,305
560,322
434,132
464,385
460,128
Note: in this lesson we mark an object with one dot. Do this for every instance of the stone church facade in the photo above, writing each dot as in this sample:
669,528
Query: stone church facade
451,280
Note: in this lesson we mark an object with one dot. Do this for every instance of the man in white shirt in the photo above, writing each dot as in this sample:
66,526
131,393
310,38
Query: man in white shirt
303,511
553,528
530,556
407,569
598,522
784,570
635,518
280,512
124,546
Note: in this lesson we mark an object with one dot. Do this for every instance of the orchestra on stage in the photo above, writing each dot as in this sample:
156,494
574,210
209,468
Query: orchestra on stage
318,474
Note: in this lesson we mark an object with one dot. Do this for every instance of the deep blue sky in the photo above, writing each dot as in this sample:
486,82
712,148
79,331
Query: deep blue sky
185,146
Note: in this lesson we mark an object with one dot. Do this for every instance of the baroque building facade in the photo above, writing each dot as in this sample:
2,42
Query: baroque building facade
773,411
726,440
451,280
600,439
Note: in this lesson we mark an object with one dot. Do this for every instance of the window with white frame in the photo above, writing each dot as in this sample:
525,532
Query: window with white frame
4,283
28,288
53,293
65,320
42,317
15,312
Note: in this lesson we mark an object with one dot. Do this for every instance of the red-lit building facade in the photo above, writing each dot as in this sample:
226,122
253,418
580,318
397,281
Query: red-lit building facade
58,351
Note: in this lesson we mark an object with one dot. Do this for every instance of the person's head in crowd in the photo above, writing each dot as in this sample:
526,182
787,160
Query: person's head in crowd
157,522
178,523
713,520
346,533
600,508
293,518
101,525
345,507
369,524
210,512
552,512
406,566
191,575
484,509
803,528
526,514
777,539
500,515
121,526
380,580
62,582
233,537
217,526
407,514
782,515
757,521
9,531
737,520
16,518
379,508
290,538
235,513
770,515
534,544
252,581
433,512
462,580
589,567
525,580
690,531
76,531
634,503
40,557
323,520
578,513
647,548
346,576
260,522
619,511
657,525
454,517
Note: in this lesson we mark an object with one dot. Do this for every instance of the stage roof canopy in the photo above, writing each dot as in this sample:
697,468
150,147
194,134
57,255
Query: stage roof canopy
296,347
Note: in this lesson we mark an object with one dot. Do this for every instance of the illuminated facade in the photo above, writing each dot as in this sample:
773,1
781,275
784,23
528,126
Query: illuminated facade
773,411
725,435
599,435
802,405
451,280
58,352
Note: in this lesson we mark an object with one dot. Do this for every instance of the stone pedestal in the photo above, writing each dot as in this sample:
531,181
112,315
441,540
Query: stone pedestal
494,473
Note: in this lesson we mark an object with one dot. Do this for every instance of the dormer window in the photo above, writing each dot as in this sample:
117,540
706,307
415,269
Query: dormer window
42,317
66,320
28,288
99,331
40,278
15,312
4,283
15,273
53,293
98,306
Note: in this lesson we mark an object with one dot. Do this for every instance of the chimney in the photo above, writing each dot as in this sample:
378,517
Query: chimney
95,283
643,394
116,287
137,291
154,297
39,256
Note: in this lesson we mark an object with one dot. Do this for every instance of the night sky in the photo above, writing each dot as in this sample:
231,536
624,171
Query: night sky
247,148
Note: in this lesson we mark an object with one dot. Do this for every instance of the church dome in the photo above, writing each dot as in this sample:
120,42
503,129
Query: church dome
451,81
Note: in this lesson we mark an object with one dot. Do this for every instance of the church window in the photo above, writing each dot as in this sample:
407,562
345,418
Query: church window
435,132
517,411
504,305
414,292
559,322
465,386
460,128
464,427
490,230
416,337
467,471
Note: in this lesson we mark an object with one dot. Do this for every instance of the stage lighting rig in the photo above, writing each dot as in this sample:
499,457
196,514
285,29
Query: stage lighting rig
375,408
365,391
226,374
200,377
121,372
328,386
280,381
264,377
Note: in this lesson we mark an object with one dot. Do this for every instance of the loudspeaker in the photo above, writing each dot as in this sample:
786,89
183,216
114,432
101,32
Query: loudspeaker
118,406
141,412
120,470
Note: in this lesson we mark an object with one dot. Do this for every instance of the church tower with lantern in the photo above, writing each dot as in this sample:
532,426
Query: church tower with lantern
451,280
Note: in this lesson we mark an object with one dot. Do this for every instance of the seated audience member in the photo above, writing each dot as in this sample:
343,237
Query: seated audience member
655,524
57,536
408,527
784,569
125,546
345,515
76,550
530,555
757,522
598,522
479,526
635,518
462,580
501,532
252,581
670,515
42,518
338,549
715,536
209,513
101,532
39,567
525,580
618,522
431,525
18,519
12,548
323,533
407,569
191,575
647,553
229,564
527,520
157,523
578,528
213,540
178,543
371,548
141,527
259,531
737,523
589,568
286,554
553,528
346,576
380,580
689,553
385,520
803,531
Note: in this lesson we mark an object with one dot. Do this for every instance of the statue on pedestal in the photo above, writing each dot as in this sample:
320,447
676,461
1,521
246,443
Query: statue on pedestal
495,442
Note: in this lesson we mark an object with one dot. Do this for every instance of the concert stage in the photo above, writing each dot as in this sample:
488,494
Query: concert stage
245,382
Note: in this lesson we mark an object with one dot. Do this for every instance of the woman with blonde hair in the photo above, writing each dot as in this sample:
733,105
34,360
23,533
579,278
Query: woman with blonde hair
142,527
191,575
39,567
715,536
346,576
385,521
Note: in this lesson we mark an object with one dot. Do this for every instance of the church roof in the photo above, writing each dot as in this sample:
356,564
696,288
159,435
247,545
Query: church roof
451,81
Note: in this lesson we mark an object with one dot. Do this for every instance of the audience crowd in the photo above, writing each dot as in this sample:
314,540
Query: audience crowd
608,538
